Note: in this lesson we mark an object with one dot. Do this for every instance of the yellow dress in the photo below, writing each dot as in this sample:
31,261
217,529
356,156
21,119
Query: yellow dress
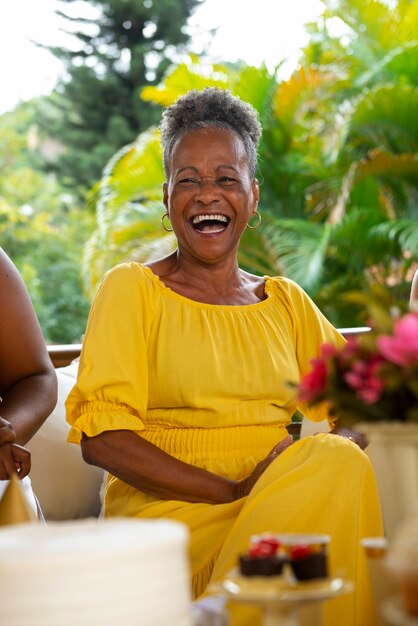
209,384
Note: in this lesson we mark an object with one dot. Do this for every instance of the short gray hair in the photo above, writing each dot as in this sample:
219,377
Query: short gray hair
211,107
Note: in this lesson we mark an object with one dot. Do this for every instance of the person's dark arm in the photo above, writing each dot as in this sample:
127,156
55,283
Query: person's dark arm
146,467
28,383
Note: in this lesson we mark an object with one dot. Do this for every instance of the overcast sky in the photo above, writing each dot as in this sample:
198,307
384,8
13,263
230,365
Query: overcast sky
254,31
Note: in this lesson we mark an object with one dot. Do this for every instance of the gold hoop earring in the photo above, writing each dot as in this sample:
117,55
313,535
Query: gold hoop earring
169,230
258,221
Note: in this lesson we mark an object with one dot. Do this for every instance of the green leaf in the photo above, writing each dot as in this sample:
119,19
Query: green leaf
299,248
383,116
186,76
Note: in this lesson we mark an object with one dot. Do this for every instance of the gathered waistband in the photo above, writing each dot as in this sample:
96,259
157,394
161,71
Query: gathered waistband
225,442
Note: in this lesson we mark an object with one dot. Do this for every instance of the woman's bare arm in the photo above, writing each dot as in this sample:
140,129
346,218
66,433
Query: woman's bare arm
28,384
146,467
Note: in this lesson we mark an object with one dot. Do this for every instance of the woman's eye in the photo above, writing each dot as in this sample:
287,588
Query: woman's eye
226,181
187,182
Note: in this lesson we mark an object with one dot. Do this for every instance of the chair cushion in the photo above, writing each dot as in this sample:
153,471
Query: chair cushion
66,486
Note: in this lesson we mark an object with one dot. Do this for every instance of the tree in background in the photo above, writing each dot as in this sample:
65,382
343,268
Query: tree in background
41,230
339,162
71,134
125,46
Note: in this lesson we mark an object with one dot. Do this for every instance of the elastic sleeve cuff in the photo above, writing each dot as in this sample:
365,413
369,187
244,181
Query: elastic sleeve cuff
97,417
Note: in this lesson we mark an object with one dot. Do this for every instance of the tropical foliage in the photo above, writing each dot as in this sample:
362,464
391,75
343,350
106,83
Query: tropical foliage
52,149
338,161
119,46
41,230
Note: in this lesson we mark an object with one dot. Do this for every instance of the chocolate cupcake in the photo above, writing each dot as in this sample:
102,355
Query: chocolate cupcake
308,563
263,557
261,565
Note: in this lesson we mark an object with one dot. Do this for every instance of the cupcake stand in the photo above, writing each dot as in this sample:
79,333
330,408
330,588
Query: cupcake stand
283,603
284,600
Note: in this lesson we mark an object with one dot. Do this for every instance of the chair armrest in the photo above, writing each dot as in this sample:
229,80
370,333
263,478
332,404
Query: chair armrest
62,355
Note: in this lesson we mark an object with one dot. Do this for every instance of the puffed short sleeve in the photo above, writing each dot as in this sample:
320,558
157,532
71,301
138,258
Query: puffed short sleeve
111,392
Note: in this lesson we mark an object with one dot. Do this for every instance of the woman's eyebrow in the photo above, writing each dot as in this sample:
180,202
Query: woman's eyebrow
187,167
196,170
228,167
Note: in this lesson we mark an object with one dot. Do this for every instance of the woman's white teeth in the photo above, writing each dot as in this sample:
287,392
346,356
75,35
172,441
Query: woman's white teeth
200,218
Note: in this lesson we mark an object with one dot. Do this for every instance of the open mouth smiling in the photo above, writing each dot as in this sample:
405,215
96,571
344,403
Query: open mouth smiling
210,223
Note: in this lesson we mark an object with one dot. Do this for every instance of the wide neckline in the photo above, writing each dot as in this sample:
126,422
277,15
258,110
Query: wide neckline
233,307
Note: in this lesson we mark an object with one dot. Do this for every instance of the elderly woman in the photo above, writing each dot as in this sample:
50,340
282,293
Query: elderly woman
28,384
183,393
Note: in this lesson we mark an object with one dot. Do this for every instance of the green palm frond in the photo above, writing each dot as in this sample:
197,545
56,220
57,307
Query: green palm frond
139,227
402,232
382,163
192,75
386,169
384,116
135,172
401,62
299,248
408,12
356,243
93,263
136,234
302,92
372,21
256,86
128,195
138,221
255,255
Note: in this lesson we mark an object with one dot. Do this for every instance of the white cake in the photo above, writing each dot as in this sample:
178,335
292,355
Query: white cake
95,573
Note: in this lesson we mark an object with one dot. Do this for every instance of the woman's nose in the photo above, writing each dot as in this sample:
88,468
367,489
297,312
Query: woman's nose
207,189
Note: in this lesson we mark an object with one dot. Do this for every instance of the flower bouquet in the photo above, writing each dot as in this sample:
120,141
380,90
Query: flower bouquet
374,376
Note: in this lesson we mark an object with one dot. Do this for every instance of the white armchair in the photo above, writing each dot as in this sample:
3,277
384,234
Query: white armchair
65,485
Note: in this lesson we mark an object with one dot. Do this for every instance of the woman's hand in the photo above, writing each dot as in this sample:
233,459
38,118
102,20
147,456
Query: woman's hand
7,434
14,459
243,487
359,438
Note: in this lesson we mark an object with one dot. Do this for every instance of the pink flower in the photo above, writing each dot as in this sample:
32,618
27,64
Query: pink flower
401,348
370,394
328,350
370,374
353,379
313,383
349,350
364,380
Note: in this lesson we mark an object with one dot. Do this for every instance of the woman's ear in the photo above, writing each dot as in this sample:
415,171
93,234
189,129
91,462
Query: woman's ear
165,195
256,192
